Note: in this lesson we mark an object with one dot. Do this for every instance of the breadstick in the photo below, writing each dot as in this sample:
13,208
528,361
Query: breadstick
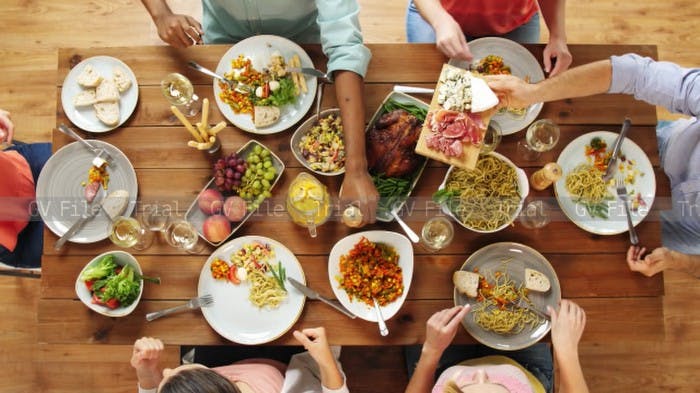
203,130
215,130
295,77
186,123
302,79
205,112
201,145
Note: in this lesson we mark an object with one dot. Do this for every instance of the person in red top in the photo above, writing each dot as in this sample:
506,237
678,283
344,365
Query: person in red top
21,230
451,23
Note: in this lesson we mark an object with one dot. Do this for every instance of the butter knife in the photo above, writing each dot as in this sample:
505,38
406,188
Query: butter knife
311,294
610,171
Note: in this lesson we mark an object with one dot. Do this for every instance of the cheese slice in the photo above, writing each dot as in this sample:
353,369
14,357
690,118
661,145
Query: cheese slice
483,98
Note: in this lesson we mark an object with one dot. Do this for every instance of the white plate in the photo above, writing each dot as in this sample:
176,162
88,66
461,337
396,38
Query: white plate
488,259
402,246
574,155
258,49
233,316
84,117
60,192
523,187
121,258
522,64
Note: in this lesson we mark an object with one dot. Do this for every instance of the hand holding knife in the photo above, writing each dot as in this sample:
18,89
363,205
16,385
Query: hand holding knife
617,146
311,294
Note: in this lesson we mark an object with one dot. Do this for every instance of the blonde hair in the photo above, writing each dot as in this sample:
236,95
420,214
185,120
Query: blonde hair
452,387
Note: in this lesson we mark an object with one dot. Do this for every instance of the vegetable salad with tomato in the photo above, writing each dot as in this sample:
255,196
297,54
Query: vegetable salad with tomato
112,285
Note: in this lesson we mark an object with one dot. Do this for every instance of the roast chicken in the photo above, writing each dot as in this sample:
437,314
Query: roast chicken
391,143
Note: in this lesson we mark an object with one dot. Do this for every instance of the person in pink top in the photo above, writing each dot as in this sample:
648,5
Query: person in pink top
248,376
498,374
452,23
21,229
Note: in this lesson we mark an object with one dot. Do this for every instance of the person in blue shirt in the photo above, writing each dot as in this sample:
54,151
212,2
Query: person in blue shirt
333,23
659,83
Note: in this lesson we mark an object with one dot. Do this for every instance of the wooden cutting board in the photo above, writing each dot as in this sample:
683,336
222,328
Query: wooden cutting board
470,154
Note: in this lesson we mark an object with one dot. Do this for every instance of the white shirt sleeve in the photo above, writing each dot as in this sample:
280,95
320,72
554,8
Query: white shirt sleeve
142,390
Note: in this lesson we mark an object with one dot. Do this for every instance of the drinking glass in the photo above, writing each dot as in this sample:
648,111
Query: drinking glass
178,90
492,138
437,233
182,234
128,232
535,214
156,217
541,136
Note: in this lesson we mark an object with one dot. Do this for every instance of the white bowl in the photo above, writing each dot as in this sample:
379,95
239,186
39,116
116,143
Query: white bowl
301,131
120,258
523,187
402,246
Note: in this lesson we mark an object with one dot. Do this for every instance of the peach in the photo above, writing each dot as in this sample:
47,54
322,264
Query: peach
210,201
235,208
216,228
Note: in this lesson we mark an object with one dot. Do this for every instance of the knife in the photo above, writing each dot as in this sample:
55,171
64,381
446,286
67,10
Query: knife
99,152
311,294
111,202
616,150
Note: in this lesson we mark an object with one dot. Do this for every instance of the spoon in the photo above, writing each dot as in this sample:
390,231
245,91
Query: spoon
409,232
383,330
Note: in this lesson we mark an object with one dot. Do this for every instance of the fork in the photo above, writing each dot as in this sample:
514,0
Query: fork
194,303
232,85
622,194
99,152
523,304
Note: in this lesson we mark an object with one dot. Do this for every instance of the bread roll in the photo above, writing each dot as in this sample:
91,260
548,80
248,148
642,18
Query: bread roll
466,282
266,116
536,281
121,79
85,98
107,91
89,77
108,112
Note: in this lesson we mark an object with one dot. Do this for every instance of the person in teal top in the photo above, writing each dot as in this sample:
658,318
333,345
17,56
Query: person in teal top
333,23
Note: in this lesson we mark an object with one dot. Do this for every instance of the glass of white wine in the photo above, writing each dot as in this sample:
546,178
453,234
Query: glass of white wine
437,233
178,90
182,234
128,232
157,217
541,136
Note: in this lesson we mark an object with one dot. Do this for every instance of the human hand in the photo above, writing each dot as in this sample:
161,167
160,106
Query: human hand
658,260
314,340
145,358
556,49
567,327
449,38
512,91
178,30
7,128
358,189
441,328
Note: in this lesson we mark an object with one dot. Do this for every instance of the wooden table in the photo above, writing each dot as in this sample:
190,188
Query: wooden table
591,268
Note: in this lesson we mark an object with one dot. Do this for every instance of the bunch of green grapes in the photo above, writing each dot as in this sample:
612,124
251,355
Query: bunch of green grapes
258,177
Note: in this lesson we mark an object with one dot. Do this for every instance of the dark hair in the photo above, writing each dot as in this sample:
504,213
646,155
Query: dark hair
198,380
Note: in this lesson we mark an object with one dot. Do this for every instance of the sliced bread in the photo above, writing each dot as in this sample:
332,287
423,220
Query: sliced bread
86,97
536,281
266,116
466,282
108,112
89,77
121,79
107,91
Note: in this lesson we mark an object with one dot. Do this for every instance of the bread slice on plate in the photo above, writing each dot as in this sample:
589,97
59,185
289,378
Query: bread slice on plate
265,116
86,97
107,91
89,77
536,281
108,112
466,282
121,79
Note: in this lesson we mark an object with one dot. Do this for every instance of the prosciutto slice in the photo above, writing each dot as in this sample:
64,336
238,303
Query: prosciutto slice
450,129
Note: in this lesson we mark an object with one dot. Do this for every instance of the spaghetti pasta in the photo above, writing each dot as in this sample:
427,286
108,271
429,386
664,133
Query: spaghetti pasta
488,195
585,184
255,258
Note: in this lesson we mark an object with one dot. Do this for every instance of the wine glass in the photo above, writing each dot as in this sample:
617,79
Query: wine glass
535,214
182,234
541,136
492,138
128,232
156,217
178,90
437,233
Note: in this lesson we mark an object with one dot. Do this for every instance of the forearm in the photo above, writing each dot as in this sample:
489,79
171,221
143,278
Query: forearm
554,14
331,377
571,374
432,11
149,379
423,377
589,79
686,263
156,8
349,88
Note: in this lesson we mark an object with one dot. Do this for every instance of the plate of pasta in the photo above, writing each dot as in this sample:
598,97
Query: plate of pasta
370,264
486,199
252,302
495,319
591,203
